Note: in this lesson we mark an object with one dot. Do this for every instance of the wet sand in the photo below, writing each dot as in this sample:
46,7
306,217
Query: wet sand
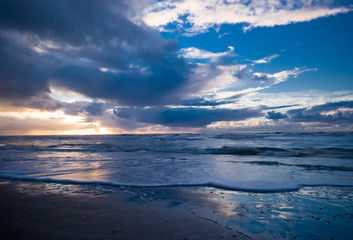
40,210
56,211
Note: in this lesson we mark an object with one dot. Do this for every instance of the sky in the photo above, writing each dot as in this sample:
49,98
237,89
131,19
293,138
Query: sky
174,66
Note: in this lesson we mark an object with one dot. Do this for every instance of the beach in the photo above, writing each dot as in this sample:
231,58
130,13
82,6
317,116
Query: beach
177,186
176,120
40,210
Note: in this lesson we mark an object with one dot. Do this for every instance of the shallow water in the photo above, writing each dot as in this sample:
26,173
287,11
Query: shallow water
256,162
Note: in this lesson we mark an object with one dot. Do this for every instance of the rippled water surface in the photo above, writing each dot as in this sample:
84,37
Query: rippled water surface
250,162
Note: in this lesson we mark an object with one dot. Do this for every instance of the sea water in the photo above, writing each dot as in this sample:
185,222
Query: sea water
254,162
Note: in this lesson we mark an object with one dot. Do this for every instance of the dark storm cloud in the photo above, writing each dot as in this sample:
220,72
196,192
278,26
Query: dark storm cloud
41,102
158,85
332,112
95,109
275,115
86,108
185,117
200,101
22,72
88,46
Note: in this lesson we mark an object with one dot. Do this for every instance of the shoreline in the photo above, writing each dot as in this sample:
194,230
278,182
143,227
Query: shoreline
201,185
42,210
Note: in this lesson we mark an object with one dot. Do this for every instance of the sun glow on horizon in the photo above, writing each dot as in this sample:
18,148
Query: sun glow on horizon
88,131
56,123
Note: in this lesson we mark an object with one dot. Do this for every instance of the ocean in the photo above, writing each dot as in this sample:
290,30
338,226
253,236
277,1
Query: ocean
251,162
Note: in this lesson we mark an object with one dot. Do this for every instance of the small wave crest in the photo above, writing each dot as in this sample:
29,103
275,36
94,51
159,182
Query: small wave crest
281,152
74,147
305,166
256,187
249,151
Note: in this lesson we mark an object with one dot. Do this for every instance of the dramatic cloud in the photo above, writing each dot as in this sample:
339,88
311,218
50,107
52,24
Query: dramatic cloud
160,84
86,108
59,44
90,47
23,72
332,116
199,16
41,102
101,66
185,117
333,112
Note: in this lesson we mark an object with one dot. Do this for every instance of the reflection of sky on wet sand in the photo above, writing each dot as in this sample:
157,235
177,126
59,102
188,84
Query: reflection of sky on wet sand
310,213
47,189
315,213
